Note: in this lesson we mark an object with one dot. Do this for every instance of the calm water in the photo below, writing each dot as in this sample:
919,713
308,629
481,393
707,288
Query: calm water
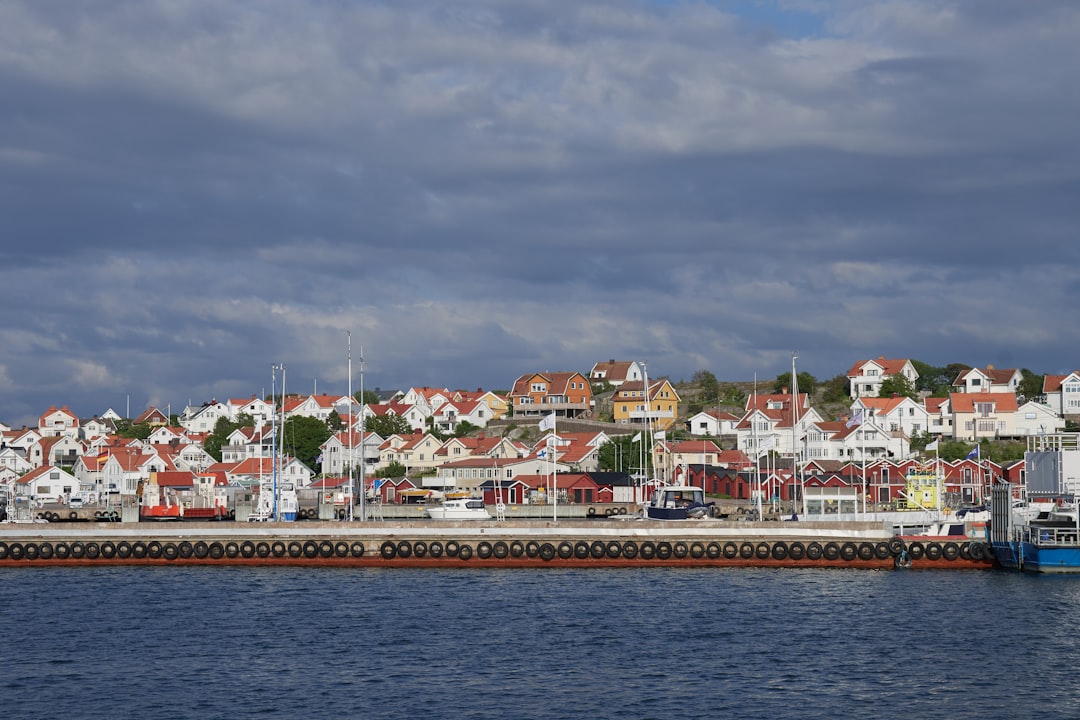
651,643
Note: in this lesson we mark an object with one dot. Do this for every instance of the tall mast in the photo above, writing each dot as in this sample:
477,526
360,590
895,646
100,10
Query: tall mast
349,427
363,424
794,433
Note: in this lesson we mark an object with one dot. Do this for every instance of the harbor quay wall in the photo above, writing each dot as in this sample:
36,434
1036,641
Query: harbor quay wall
510,544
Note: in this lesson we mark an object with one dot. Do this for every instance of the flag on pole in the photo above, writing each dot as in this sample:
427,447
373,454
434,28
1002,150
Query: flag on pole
662,435
637,438
932,446
541,454
856,419
548,423
974,454
766,443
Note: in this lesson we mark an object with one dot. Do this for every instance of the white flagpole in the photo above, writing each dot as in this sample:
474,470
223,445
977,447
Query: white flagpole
554,470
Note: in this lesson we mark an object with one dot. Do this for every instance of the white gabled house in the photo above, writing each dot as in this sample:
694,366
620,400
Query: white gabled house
260,410
988,380
1034,418
712,423
617,373
48,483
896,415
57,422
203,418
1062,393
866,376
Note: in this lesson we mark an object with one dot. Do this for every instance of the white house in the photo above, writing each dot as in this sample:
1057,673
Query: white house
896,415
617,373
203,418
988,380
1062,393
866,376
48,483
1034,418
712,423
56,422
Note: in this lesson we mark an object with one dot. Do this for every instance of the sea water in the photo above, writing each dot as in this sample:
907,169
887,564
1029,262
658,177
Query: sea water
228,642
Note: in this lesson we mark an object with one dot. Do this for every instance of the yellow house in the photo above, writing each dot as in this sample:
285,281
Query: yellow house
661,407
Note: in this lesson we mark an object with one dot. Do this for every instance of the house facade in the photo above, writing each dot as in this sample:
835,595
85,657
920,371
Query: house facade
566,394
657,409
866,376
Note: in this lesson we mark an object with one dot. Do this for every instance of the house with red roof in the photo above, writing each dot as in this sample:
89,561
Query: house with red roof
772,423
983,415
451,413
58,450
615,373
55,422
152,417
658,408
1062,393
900,416
866,376
564,394
988,380
418,452
260,410
48,483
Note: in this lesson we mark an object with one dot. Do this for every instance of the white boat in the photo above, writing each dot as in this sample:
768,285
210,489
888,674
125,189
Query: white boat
678,502
458,509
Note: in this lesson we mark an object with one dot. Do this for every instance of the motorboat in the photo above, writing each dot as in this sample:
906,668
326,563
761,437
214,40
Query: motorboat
679,502
458,509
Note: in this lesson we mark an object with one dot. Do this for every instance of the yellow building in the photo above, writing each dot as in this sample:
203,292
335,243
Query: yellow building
632,407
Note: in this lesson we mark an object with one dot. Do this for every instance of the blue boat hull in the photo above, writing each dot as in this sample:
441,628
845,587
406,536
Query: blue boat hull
1029,557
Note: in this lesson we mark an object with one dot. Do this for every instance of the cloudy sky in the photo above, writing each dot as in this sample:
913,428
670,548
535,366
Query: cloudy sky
191,191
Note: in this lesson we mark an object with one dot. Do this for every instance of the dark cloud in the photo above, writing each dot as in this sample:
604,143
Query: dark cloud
190,192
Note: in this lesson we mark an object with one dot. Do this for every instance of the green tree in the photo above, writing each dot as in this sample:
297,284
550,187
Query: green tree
898,385
464,428
386,425
620,452
836,390
127,429
394,469
334,422
1031,385
933,380
303,438
367,397
732,394
807,383
223,428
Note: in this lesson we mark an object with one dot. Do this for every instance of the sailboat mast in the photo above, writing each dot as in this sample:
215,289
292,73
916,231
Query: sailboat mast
349,426
363,424
794,433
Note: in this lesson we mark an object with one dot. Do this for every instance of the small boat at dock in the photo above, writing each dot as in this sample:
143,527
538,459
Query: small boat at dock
458,509
679,502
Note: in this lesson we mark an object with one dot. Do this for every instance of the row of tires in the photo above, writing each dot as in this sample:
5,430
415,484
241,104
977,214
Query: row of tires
107,550
746,550
580,550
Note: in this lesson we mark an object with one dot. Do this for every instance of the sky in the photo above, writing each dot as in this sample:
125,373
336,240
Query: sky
194,191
